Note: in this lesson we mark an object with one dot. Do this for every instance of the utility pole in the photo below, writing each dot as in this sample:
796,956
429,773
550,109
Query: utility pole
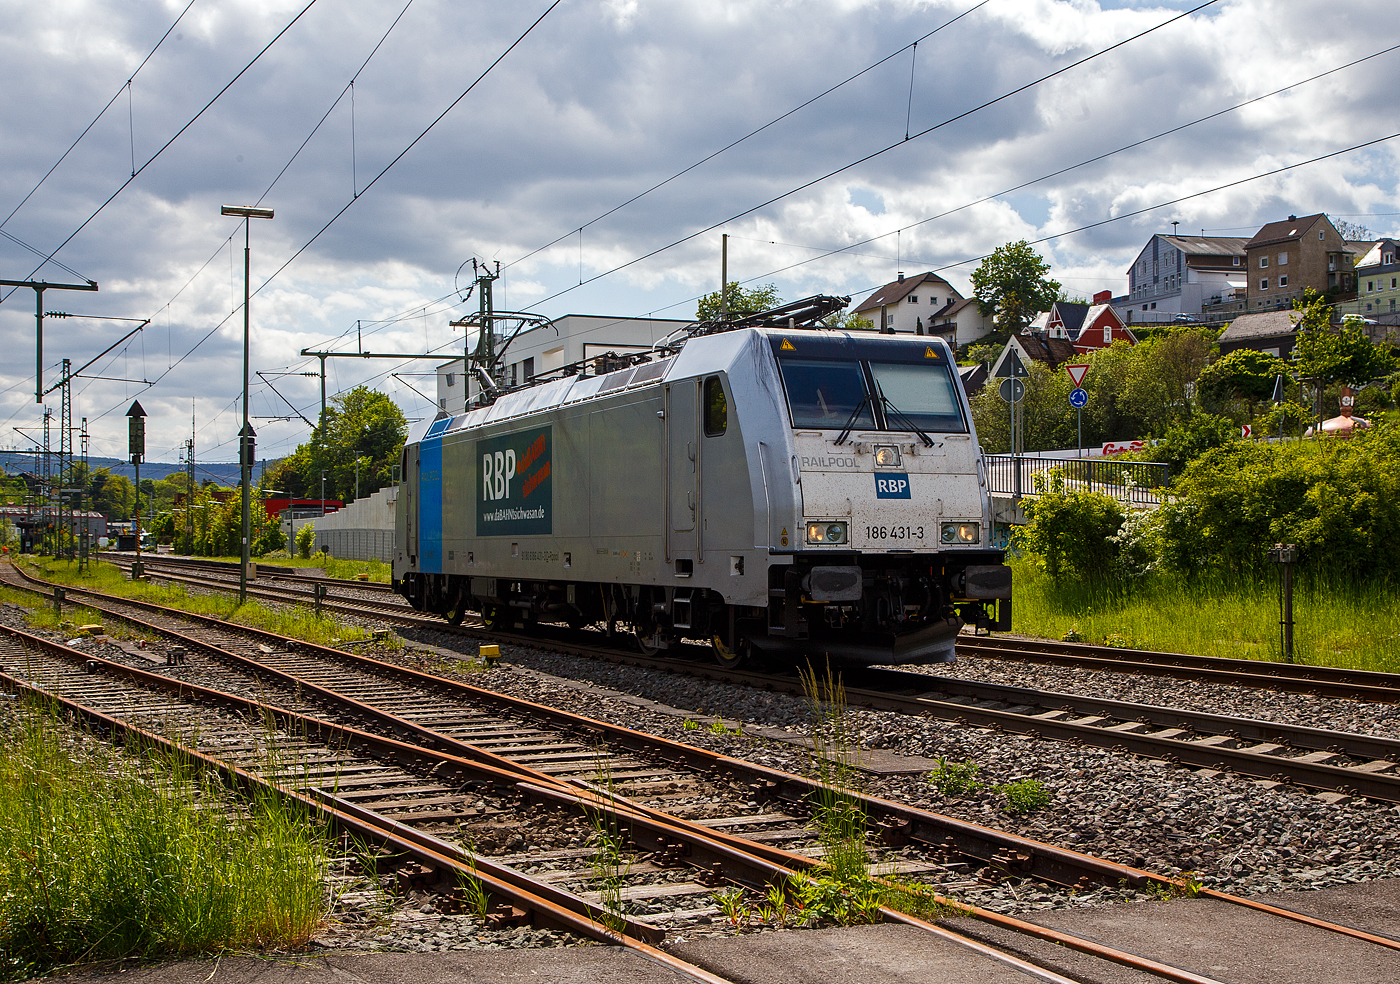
246,435
85,538
39,288
724,276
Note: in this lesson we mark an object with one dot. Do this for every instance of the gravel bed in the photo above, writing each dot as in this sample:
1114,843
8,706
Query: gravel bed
1229,832
1332,713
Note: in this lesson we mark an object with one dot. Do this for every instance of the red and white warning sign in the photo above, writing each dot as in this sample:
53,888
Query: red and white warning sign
1246,430
1076,373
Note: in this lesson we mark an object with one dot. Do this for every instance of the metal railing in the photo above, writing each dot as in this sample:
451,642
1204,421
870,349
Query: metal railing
1131,481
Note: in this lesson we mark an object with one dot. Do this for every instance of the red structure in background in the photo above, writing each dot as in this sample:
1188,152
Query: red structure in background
275,506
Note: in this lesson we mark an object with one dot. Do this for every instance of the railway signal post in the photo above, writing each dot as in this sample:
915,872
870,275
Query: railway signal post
136,448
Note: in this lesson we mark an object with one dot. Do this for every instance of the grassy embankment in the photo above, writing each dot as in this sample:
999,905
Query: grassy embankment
333,566
1356,627
108,856
299,622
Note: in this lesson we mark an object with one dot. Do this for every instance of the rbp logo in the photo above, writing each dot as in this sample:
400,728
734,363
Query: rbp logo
496,472
892,486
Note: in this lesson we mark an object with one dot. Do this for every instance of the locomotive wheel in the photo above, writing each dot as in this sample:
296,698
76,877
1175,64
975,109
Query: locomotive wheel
457,611
493,617
646,648
730,658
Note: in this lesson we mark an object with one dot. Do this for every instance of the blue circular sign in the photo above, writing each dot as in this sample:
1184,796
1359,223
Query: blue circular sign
1078,397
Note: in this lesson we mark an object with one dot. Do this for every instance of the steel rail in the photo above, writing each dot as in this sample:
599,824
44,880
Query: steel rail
550,903
762,864
1301,678
1375,780
271,571
1007,852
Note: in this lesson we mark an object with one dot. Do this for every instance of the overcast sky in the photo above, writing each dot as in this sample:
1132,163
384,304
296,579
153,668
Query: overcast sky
601,101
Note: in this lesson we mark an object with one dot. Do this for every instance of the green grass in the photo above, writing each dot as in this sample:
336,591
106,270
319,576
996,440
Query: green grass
1353,627
333,566
299,622
105,856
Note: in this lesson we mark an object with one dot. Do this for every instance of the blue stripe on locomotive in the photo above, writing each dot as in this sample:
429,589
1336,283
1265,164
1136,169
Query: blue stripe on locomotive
430,500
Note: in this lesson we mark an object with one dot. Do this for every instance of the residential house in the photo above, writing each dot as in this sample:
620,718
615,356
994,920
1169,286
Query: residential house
1270,332
1377,283
1176,275
962,323
1086,326
1285,258
1036,346
911,304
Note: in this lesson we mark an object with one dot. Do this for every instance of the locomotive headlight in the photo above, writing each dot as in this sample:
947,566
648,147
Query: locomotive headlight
962,533
887,456
826,532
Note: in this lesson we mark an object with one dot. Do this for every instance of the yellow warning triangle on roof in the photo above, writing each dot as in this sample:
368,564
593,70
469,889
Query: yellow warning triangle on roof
788,346
929,353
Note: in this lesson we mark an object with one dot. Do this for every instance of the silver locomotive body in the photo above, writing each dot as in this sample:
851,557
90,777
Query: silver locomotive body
803,492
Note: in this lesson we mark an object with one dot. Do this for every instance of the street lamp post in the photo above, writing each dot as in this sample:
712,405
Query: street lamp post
245,443
323,494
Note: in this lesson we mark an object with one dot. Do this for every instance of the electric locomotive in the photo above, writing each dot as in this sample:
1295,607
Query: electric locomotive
764,486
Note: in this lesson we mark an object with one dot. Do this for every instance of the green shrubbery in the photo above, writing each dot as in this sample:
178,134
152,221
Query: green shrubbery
1338,500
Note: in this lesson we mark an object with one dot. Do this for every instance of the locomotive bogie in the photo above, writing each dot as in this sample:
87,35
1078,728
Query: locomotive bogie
742,492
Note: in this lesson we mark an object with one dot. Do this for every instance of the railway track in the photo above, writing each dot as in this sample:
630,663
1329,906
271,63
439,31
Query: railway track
1317,681
741,857
1339,763
336,773
745,860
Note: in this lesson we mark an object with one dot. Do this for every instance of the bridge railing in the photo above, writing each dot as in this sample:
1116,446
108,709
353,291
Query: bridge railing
1142,482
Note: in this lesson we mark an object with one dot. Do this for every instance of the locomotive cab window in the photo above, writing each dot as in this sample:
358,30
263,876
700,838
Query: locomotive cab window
826,395
921,395
716,408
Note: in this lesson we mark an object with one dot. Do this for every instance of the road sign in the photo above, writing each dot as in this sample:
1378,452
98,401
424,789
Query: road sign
1078,398
1246,430
1076,374
1012,367
1012,390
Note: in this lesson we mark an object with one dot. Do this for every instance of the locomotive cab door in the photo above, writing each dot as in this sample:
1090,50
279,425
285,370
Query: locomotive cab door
682,465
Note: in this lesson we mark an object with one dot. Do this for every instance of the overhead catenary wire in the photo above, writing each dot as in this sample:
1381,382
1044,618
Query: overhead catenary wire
871,156
752,133
833,251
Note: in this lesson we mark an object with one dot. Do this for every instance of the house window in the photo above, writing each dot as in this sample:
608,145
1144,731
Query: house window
1154,305
1368,307
1370,286
1392,283
1387,258
1283,281
1264,283
1283,259
450,379
1392,304
1108,334
913,299
1263,262
529,369
1321,234
1236,259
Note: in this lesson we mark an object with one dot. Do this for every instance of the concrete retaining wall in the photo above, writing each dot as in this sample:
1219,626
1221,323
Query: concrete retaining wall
363,530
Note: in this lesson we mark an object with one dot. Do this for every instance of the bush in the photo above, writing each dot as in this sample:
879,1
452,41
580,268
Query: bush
1186,442
1073,531
306,539
1025,795
1338,500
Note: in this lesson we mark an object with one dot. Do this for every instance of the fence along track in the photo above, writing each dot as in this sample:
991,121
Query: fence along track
899,823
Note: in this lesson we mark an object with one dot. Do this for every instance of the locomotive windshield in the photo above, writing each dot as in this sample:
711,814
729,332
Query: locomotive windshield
824,394
833,383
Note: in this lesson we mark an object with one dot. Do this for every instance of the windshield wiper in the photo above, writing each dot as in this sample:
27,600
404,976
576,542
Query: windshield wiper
891,408
851,421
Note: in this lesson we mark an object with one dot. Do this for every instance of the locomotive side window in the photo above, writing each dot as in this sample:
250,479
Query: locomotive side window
716,408
924,394
825,395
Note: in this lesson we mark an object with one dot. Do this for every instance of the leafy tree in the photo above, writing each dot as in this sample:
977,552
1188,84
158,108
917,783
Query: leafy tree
362,426
1012,284
112,495
1185,442
848,321
740,301
1325,355
1157,390
1245,374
